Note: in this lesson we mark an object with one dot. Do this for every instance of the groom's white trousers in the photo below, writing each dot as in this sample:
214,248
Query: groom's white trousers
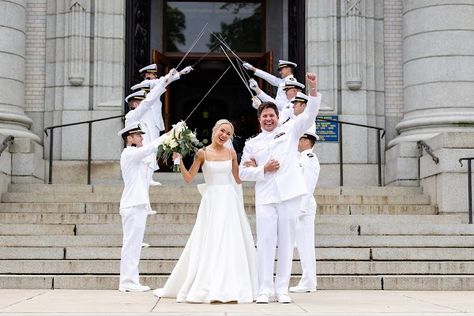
133,224
276,224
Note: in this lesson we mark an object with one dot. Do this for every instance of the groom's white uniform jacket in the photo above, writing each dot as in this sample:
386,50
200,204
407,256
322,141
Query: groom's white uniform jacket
280,144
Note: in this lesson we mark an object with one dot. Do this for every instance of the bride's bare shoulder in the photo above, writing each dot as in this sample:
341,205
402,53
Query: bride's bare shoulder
199,154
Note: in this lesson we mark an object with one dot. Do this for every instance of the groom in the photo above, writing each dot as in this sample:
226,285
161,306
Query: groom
279,189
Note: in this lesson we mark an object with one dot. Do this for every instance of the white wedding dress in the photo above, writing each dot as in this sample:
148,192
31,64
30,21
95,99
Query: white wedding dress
218,263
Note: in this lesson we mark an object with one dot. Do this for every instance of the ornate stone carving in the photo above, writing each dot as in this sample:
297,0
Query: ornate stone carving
76,34
353,7
353,51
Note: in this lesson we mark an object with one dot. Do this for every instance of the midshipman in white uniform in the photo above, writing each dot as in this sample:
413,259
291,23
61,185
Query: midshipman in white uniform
135,202
310,167
285,68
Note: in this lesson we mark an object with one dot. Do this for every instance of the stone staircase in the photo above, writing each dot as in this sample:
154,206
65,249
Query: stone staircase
68,236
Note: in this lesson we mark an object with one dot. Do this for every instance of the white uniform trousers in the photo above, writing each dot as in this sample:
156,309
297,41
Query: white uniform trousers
276,224
305,246
133,225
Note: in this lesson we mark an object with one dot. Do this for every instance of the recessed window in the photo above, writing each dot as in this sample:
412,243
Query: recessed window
240,23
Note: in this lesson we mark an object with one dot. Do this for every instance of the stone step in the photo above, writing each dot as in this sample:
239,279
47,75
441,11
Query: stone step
183,188
34,229
344,241
321,229
154,267
179,229
152,253
178,218
191,208
418,254
416,229
176,197
380,282
173,253
53,207
36,253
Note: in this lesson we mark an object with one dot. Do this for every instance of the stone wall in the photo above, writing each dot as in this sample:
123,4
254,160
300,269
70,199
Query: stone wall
345,48
85,73
35,70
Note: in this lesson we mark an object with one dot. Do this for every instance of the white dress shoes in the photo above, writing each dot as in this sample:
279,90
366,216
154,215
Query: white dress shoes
155,183
151,212
262,299
301,289
145,245
134,288
283,299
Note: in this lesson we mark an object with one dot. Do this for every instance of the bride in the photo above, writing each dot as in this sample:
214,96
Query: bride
218,263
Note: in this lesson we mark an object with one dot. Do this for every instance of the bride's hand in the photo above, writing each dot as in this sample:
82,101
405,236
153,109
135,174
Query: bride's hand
176,156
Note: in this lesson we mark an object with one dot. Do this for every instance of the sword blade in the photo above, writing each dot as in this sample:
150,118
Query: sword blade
221,39
194,44
237,71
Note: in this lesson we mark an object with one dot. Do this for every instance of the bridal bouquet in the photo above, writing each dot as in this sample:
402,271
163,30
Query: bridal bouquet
179,140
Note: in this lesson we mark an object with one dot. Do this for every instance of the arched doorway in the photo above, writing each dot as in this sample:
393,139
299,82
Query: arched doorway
256,29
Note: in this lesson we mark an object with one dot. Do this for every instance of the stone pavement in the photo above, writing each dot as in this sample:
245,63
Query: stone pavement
340,303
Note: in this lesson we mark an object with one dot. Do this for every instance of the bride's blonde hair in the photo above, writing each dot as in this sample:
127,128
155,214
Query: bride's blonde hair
222,122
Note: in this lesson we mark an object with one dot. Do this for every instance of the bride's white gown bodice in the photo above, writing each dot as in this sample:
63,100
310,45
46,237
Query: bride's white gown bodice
217,172
218,262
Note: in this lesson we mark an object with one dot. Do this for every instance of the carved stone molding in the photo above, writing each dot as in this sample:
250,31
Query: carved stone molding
76,35
353,51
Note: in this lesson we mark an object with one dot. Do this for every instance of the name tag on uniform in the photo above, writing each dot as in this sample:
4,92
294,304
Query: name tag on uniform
279,135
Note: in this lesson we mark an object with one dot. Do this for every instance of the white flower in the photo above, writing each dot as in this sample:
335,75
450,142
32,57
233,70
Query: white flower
179,127
167,139
193,138
173,143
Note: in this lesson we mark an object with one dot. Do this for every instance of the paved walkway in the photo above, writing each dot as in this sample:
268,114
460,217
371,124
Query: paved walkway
340,303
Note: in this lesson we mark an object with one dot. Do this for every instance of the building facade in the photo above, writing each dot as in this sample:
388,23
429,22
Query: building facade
402,65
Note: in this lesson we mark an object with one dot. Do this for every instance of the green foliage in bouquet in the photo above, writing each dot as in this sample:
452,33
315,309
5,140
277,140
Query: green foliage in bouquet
180,140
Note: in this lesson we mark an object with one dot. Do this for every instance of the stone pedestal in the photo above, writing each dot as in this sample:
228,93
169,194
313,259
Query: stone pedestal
21,162
446,181
27,164
401,165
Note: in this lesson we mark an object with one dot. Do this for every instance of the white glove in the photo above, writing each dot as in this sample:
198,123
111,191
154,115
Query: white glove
186,70
253,84
248,66
256,102
153,83
173,75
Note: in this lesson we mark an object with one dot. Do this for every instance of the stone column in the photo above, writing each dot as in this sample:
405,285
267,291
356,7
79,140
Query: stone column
438,84
13,120
438,63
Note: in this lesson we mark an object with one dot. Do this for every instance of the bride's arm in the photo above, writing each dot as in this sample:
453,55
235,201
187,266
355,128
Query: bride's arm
235,168
188,175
